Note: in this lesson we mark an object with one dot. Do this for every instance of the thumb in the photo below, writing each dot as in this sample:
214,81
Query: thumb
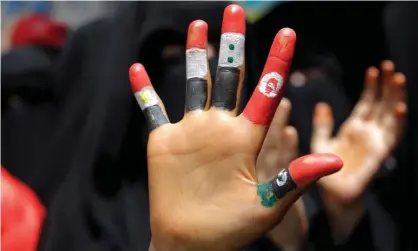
322,126
300,173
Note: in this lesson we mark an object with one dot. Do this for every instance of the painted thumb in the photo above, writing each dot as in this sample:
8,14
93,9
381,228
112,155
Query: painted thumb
300,173
314,166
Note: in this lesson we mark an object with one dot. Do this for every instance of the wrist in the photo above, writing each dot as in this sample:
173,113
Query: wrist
153,247
343,218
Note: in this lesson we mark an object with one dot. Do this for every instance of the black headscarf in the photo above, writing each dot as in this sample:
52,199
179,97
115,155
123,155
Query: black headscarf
95,186
400,20
27,108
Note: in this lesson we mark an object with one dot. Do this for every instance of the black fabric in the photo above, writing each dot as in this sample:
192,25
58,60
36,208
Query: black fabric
375,231
28,105
97,175
323,28
25,60
400,21
94,178
97,185
330,26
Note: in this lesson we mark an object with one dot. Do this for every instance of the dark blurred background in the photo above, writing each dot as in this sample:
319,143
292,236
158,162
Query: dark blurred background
344,38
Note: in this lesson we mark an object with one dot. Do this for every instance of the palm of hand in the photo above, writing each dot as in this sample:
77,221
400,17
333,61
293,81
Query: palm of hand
220,161
362,146
365,140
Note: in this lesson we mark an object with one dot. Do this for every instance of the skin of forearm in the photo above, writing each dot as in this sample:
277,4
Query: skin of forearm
343,218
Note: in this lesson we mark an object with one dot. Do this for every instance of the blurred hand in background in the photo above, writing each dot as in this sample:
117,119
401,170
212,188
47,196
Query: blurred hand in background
280,147
363,142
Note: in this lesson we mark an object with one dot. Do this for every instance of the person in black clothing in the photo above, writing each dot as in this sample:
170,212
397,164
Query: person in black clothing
379,228
399,22
28,99
97,182
350,218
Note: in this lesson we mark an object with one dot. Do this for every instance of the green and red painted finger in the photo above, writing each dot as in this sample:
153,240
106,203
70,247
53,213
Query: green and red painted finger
231,65
300,173
226,90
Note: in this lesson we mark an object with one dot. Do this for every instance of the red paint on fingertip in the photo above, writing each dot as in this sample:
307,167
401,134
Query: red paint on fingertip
234,19
138,77
260,108
314,166
284,43
197,35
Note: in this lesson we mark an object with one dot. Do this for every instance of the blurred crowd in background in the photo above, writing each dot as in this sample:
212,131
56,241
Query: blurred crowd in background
69,133
73,14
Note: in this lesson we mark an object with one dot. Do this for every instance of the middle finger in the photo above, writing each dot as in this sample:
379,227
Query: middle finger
230,74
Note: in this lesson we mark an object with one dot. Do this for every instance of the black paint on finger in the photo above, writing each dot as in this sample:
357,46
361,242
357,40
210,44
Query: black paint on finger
196,94
282,184
224,91
154,117
272,191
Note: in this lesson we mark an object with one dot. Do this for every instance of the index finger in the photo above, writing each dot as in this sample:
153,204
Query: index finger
269,91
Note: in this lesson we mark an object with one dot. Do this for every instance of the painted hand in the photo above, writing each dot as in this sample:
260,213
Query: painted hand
202,180
366,138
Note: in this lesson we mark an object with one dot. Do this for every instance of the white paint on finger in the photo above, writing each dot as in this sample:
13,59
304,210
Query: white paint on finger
270,84
231,51
146,97
196,63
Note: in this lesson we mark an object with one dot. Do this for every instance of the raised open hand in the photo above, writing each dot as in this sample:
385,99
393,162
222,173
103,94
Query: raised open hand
202,179
366,138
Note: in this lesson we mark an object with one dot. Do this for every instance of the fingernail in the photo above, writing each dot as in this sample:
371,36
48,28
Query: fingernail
400,109
285,104
399,80
284,44
197,35
323,112
388,65
138,77
373,72
234,19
